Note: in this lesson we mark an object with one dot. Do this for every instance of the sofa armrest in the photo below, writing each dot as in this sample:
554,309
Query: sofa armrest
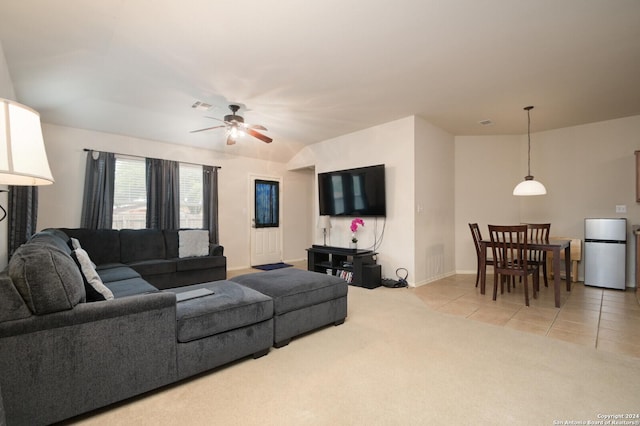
59,365
216,250
90,312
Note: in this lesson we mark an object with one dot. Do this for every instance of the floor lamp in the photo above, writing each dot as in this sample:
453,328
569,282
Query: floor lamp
23,159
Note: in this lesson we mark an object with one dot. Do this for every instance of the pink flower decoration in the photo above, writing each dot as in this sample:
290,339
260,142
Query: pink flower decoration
354,224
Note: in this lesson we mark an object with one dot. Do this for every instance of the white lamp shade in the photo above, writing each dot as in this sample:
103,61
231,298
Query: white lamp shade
23,159
324,222
529,187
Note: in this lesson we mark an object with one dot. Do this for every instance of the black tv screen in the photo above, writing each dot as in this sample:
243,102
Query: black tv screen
353,192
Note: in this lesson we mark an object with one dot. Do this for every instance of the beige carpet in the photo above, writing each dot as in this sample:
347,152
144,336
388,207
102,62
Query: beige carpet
397,362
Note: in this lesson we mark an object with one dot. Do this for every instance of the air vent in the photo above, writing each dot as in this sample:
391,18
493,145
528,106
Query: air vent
486,122
202,106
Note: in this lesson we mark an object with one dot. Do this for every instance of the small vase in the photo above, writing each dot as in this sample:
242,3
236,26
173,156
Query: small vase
353,245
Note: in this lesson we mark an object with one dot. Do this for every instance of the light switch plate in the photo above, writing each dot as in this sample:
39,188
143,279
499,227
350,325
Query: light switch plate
621,208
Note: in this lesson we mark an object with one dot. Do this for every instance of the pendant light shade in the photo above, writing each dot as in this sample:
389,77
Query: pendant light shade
529,186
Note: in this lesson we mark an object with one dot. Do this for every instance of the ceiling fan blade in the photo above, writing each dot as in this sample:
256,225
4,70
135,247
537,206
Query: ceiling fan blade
230,140
214,118
208,128
260,136
257,127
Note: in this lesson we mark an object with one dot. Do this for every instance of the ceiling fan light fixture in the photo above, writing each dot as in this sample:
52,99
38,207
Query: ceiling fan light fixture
235,132
235,127
529,186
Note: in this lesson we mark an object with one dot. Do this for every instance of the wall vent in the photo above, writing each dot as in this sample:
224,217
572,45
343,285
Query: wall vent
202,106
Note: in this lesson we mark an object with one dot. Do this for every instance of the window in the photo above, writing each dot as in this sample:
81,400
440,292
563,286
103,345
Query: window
130,194
267,207
190,196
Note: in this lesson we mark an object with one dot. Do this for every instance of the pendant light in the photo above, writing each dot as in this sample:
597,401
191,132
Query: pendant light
529,186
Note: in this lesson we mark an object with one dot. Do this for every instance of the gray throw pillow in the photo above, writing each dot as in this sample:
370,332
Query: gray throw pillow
93,285
47,278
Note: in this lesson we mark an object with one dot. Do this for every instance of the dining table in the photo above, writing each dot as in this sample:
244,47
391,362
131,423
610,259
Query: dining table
554,246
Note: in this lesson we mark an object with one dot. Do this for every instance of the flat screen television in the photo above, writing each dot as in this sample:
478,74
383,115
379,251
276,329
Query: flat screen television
353,192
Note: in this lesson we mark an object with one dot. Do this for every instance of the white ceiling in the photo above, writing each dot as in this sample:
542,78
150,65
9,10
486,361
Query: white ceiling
316,69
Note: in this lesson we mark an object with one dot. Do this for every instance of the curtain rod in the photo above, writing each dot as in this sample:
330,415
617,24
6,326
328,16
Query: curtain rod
140,156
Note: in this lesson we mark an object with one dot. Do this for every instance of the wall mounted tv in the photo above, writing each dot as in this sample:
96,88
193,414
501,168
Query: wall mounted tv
353,192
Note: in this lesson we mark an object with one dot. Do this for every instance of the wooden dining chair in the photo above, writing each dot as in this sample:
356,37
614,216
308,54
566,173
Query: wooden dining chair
539,232
510,258
477,237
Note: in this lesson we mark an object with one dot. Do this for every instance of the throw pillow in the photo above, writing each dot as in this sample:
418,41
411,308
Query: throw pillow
95,288
46,277
193,242
75,243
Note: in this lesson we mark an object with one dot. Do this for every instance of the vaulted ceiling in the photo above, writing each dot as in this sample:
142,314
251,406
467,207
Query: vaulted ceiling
312,70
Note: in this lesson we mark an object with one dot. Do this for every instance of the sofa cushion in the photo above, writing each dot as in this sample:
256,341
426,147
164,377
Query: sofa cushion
12,306
154,267
52,237
94,288
130,287
141,244
204,262
171,242
230,306
47,278
102,245
115,272
193,242
293,289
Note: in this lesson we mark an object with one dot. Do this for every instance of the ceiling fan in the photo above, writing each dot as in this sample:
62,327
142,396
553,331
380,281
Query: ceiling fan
236,127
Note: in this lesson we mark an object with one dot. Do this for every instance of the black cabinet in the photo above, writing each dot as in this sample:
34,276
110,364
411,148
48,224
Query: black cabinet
357,267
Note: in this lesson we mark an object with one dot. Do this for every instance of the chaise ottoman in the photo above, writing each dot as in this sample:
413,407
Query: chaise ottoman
302,300
220,322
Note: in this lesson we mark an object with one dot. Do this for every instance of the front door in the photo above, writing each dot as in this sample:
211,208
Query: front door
266,234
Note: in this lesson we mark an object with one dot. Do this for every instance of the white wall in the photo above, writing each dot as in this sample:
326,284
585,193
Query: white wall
434,203
486,170
390,144
60,204
419,165
587,170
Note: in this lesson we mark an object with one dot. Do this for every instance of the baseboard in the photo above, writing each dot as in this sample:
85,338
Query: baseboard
433,279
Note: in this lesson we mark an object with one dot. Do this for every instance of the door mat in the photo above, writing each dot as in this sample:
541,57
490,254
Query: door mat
272,266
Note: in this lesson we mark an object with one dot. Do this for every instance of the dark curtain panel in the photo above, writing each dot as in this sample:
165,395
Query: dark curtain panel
210,202
97,205
163,194
23,215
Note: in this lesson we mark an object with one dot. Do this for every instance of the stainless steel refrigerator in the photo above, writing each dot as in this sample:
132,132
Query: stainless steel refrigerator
605,252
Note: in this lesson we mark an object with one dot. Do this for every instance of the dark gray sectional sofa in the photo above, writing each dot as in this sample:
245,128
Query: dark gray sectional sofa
61,356
153,253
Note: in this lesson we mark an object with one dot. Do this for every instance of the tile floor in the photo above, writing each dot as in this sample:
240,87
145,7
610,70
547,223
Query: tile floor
608,320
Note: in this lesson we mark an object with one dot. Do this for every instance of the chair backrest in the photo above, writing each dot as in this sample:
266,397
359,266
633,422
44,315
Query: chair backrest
477,237
509,245
539,231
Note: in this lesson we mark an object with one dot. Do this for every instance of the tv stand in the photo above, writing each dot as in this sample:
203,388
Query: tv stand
357,267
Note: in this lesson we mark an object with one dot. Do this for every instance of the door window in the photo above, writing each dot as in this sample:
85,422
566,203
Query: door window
267,204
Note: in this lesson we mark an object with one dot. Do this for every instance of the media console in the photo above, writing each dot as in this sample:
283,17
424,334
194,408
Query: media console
357,267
